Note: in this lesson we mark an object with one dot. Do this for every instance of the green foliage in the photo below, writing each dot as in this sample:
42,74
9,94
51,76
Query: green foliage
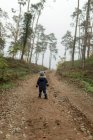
3,63
15,70
41,44
89,61
11,70
67,40
37,68
14,48
26,27
2,43
82,77
88,87
26,32
75,75
3,66
7,86
14,73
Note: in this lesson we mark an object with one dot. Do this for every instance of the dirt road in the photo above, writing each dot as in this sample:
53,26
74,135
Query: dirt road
66,115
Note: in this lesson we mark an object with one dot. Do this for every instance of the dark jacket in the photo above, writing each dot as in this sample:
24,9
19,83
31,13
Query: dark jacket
42,82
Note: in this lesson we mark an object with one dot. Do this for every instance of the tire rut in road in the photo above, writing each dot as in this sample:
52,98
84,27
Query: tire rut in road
83,124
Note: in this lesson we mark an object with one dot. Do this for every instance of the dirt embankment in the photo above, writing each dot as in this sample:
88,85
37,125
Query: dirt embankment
66,115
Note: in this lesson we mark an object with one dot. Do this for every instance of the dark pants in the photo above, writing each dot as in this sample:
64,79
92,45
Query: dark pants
42,90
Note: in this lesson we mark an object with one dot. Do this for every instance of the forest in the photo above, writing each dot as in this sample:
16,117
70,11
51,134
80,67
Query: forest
79,69
39,101
23,36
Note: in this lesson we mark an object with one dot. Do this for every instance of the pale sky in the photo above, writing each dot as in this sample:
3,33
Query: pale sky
55,17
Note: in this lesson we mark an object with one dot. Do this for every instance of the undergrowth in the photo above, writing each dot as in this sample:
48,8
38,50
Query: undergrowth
81,77
12,70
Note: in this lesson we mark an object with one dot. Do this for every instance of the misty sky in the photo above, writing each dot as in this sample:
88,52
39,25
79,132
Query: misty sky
56,17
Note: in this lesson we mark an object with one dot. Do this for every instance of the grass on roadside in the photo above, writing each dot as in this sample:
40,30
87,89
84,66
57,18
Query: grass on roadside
81,77
12,70
7,86
88,87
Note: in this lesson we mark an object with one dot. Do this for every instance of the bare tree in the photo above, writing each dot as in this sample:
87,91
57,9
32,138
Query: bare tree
86,33
74,43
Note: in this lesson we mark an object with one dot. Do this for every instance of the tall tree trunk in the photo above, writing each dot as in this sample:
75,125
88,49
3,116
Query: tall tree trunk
88,51
33,41
36,59
79,47
23,52
65,53
17,27
28,47
74,43
17,31
86,32
43,59
31,52
88,40
28,5
31,46
50,59
28,52
0,29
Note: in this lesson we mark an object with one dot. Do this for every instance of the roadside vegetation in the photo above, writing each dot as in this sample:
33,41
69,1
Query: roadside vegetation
82,78
12,70
24,37
24,41
79,47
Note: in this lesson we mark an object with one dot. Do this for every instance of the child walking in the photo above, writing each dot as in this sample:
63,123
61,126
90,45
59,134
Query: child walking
42,83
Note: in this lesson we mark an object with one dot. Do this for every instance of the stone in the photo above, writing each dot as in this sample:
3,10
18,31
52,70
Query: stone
90,137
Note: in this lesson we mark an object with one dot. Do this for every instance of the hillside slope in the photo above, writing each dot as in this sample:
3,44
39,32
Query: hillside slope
12,70
82,78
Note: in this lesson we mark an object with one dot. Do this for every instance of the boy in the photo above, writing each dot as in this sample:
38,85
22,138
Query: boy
42,83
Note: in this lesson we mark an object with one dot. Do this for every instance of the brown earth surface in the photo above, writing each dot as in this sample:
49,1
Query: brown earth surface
66,115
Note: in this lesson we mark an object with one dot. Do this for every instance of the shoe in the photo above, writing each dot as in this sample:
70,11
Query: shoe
46,97
39,96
